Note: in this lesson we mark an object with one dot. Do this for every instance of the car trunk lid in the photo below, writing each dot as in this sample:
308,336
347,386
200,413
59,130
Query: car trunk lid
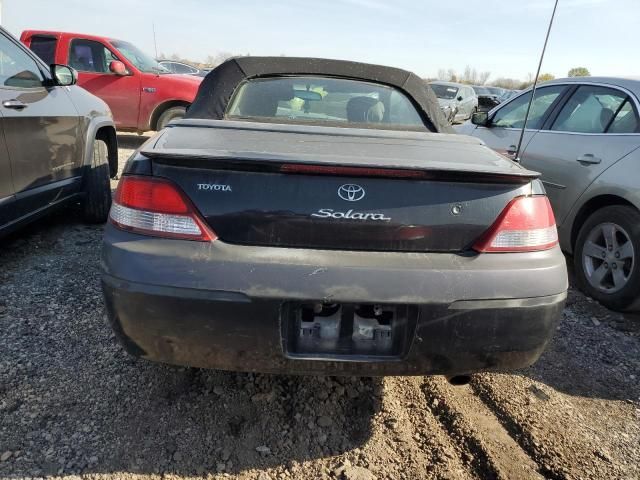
332,188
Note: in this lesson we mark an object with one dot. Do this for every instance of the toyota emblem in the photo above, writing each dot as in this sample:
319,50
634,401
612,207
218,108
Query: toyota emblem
351,192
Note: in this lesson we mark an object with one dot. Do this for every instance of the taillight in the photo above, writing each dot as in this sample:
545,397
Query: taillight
351,171
154,206
526,224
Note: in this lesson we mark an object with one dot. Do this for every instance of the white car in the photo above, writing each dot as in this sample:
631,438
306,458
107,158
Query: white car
182,68
458,101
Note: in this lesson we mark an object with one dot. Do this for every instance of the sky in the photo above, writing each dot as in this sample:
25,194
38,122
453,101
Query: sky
503,37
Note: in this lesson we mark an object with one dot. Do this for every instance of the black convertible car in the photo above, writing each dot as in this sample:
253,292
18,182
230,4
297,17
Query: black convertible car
317,216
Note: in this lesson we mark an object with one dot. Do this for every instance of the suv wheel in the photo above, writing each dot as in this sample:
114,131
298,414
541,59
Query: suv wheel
97,187
169,114
607,257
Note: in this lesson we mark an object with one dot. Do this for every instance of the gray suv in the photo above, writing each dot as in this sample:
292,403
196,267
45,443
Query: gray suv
59,141
583,135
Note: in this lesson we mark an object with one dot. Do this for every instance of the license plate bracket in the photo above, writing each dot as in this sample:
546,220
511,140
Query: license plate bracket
348,331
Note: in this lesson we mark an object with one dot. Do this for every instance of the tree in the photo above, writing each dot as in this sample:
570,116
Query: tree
579,72
472,77
545,77
213,61
447,75
469,75
508,83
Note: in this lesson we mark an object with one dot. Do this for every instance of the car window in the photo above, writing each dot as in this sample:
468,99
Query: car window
90,56
141,60
180,68
44,47
324,100
168,65
513,113
401,111
589,110
17,68
626,120
446,92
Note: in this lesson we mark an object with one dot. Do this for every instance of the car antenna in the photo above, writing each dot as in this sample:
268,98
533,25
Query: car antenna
155,43
535,83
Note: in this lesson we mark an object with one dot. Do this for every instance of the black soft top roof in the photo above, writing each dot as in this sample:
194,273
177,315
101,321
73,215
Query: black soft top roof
218,86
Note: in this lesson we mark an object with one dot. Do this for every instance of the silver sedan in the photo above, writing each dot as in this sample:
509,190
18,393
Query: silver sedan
583,135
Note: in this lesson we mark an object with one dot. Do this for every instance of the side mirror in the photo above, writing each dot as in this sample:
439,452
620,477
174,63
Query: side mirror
118,68
459,98
63,75
480,118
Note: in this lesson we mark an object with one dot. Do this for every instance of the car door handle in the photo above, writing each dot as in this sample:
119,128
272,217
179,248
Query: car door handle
15,104
588,159
512,149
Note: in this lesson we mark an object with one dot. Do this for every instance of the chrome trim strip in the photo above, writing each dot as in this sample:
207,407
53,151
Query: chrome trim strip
49,186
554,185
36,212
590,134
7,200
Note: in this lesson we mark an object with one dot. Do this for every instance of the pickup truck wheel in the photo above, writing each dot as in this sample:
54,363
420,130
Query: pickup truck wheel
607,257
97,187
169,114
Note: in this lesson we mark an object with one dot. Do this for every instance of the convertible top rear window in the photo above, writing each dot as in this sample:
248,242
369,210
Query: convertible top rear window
324,101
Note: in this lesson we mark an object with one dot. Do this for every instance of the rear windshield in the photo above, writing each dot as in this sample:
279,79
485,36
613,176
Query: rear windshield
324,101
446,92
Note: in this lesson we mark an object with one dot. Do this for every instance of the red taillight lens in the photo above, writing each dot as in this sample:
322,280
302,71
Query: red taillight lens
526,224
154,206
152,195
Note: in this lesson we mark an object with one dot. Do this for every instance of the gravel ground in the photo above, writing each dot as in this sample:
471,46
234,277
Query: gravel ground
74,405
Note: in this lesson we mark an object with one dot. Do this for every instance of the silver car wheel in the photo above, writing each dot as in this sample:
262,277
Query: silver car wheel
608,257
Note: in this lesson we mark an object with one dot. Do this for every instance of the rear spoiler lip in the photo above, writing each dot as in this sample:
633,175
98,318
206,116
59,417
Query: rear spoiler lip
252,161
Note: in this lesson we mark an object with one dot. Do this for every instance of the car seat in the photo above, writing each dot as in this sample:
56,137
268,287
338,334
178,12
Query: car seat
365,110
606,115
80,63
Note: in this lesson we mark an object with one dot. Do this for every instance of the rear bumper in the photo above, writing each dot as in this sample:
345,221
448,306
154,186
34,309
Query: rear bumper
223,306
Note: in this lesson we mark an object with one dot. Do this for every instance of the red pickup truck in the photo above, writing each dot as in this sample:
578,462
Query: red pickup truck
142,94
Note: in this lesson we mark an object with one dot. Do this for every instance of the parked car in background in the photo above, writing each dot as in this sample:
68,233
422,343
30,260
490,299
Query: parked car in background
509,94
583,134
497,91
480,90
141,94
307,216
183,68
487,99
458,101
58,141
